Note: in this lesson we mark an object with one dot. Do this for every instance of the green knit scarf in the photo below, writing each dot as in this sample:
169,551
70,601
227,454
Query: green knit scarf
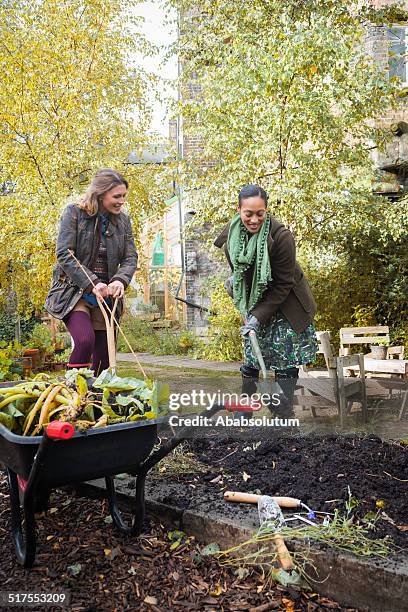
246,250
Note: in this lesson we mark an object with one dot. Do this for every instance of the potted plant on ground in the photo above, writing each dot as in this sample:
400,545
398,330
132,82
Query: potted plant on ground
379,349
61,360
40,343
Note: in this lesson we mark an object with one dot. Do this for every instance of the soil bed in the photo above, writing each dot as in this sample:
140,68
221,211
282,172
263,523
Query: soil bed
80,552
318,470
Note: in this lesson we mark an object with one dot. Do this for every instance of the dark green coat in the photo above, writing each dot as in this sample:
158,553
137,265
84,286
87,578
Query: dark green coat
289,290
81,233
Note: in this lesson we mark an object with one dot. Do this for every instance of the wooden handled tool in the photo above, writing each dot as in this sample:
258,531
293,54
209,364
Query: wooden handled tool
252,498
284,555
110,330
271,520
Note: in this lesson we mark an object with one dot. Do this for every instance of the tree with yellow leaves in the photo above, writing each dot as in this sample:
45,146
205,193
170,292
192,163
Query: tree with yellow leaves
72,100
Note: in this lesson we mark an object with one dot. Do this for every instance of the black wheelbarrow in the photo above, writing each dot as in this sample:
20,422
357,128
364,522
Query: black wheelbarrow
60,457
36,465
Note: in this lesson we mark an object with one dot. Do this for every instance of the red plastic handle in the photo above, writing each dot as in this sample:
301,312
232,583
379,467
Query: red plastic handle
58,430
243,405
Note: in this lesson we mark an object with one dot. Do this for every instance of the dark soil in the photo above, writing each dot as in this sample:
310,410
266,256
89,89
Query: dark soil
321,471
79,552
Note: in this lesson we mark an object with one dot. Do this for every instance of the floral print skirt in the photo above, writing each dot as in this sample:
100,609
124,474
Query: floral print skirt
281,346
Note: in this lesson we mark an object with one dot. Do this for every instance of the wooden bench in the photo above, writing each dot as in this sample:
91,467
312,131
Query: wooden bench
334,389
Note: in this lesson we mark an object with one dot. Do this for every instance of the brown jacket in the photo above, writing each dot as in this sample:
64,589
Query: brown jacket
288,291
80,233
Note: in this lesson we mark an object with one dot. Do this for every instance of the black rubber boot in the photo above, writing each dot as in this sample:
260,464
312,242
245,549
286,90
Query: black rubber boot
250,377
287,380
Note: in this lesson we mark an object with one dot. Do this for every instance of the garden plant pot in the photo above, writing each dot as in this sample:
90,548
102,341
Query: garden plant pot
378,352
27,365
35,357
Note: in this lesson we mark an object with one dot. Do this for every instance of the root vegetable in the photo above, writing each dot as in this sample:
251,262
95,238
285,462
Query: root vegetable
61,399
13,398
46,408
37,406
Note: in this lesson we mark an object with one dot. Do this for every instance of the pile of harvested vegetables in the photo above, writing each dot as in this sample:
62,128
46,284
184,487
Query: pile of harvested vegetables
78,398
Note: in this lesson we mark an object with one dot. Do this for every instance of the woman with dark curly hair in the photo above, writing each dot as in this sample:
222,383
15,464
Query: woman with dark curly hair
99,233
270,291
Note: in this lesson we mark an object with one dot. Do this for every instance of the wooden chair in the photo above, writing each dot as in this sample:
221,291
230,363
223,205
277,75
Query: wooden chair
395,352
334,388
362,335
378,367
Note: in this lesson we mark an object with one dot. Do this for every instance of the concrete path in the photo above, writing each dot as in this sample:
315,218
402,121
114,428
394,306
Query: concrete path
181,362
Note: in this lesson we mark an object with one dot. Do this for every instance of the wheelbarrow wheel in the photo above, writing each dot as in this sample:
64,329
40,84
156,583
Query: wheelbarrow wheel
23,534
138,511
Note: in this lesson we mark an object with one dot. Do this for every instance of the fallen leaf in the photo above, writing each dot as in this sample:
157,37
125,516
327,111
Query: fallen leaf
108,519
242,572
289,604
112,554
216,592
210,601
150,600
402,527
73,570
210,549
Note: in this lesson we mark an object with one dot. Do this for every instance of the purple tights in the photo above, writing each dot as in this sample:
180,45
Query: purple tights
88,342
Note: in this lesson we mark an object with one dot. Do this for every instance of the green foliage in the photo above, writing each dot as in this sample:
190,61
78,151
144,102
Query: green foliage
63,357
40,337
361,281
224,337
73,100
144,338
287,97
8,326
10,366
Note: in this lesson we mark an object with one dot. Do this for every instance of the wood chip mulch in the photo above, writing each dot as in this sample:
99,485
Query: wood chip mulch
79,551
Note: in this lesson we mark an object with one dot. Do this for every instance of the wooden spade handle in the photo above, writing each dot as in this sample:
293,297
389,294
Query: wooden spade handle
284,556
110,330
252,498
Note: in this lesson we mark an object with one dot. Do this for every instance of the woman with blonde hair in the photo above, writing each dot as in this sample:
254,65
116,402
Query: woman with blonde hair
99,233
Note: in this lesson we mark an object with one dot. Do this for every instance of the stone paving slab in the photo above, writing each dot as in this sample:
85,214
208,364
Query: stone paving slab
377,585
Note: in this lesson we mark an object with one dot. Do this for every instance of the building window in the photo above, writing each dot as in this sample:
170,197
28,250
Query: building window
397,49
